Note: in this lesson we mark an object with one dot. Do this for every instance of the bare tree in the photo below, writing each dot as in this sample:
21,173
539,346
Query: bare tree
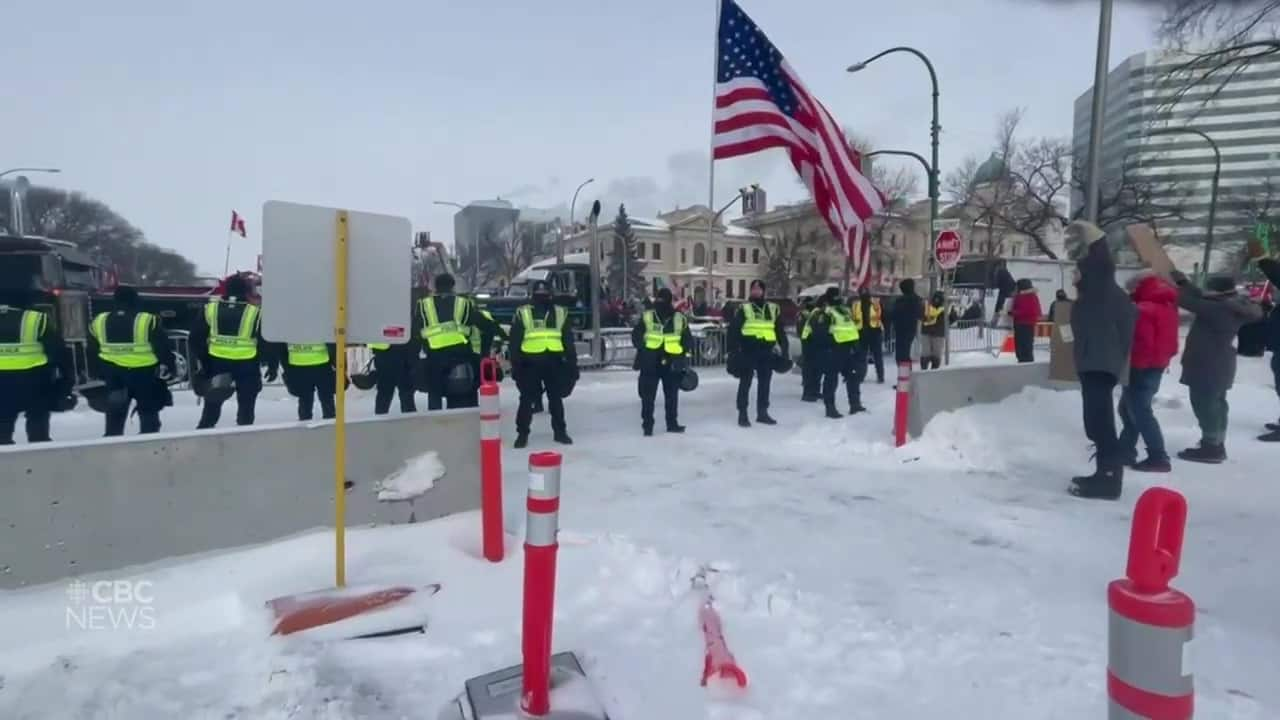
1221,39
787,253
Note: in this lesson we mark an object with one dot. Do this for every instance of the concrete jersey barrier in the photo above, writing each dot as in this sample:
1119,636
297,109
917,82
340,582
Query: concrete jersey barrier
955,387
72,509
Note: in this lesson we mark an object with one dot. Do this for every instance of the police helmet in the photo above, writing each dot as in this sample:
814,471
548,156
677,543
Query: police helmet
689,380
462,379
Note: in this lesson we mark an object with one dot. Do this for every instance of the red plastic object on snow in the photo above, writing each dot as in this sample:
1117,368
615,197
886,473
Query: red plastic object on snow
490,461
902,407
296,613
719,661
1150,622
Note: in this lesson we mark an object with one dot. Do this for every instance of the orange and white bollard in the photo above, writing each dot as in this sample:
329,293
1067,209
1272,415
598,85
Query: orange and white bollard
1151,623
490,462
540,548
902,407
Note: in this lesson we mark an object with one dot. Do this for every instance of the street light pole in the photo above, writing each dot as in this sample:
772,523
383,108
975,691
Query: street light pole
572,204
710,228
52,171
934,130
474,268
1213,190
1100,70
924,251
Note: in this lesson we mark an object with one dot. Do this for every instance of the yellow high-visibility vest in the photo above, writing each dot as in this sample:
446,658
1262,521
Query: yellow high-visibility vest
932,314
241,346
137,353
805,317
843,331
540,338
28,352
308,355
476,334
451,333
379,346
876,311
761,327
656,338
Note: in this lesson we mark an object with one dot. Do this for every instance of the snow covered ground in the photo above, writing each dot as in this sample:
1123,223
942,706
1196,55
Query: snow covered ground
952,577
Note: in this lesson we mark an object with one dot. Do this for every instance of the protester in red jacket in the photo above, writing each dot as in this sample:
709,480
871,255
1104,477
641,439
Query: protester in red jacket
1025,313
1155,343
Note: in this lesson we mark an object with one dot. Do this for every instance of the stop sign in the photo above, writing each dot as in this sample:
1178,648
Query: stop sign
947,249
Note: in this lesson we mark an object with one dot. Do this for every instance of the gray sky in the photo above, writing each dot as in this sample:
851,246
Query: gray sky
176,111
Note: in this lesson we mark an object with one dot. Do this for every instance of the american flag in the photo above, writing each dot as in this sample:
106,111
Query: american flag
761,104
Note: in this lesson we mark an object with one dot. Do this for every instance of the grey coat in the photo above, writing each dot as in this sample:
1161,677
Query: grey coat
1102,317
1209,358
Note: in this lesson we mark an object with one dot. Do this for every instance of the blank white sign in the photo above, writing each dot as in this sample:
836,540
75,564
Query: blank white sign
299,263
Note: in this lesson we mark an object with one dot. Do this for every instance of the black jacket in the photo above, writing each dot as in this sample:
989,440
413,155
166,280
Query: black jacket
1271,268
230,310
649,360
119,328
547,313
55,349
907,312
1103,316
736,343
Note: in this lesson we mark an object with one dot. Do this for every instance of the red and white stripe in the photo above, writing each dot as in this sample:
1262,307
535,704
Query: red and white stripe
748,121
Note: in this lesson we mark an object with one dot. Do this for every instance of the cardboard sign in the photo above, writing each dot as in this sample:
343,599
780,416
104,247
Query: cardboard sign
1147,245
1062,361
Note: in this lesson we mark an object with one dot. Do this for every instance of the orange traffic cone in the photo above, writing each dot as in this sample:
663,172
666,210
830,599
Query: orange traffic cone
1007,345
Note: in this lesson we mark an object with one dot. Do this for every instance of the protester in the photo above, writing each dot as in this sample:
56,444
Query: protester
1102,322
1025,313
1209,358
1271,268
933,333
1155,343
1059,297
904,318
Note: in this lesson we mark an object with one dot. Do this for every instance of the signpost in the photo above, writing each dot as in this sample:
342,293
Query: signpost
366,301
946,253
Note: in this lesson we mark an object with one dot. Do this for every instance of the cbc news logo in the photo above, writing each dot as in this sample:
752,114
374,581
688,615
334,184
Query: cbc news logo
110,605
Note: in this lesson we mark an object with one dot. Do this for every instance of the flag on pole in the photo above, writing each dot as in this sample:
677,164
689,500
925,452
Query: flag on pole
237,224
760,103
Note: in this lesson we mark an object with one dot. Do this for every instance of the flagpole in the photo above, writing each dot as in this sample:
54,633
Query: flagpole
711,159
226,264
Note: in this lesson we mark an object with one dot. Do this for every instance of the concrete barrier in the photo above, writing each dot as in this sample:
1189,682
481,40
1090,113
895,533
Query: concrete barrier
68,509
955,387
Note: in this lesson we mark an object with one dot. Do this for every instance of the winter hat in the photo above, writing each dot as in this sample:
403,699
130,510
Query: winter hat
1221,284
664,295
236,287
908,286
444,283
1024,284
125,296
832,294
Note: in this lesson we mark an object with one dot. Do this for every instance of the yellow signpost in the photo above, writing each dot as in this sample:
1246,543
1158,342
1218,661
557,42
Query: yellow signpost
340,405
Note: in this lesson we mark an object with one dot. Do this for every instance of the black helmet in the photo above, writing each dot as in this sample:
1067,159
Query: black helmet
462,380
689,380
782,364
366,380
94,393
218,388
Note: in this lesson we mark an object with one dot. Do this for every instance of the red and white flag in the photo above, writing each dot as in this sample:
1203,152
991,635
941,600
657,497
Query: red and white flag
237,224
760,103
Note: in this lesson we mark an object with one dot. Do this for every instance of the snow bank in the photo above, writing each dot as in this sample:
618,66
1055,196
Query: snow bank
414,479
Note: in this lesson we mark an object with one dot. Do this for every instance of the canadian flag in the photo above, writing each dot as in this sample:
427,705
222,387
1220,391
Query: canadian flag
237,224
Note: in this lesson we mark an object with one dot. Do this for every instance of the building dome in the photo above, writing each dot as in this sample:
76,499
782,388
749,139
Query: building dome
990,171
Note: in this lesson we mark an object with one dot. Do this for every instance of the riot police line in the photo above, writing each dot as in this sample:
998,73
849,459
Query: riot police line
131,354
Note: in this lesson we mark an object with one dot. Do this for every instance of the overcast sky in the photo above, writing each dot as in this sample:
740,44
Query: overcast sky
175,112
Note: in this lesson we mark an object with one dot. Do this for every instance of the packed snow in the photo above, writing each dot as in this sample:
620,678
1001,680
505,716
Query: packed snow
414,479
953,576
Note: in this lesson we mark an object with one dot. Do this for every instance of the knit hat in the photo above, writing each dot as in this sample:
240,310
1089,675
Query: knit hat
663,295
1221,284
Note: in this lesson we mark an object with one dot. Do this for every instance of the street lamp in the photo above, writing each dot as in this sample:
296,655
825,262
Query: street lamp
934,129
52,171
710,234
1213,190
924,252
474,268
573,203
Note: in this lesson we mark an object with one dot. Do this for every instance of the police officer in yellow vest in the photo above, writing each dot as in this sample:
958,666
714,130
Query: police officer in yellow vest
443,324
228,339
543,359
868,315
393,367
753,335
662,341
310,373
35,369
933,333
841,355
811,374
130,352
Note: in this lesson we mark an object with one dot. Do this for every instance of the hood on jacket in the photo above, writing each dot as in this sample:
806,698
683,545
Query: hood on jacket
1097,268
1153,289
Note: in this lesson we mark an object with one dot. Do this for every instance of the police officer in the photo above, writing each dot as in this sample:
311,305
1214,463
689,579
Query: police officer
443,325
486,338
753,335
393,366
810,372
841,355
310,373
130,352
662,341
868,315
228,339
35,369
543,359
933,332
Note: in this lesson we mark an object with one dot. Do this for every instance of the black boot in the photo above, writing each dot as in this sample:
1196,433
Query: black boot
563,438
742,419
833,413
675,428
648,430
1273,436
764,419
1105,484
522,441
1206,453
1273,426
